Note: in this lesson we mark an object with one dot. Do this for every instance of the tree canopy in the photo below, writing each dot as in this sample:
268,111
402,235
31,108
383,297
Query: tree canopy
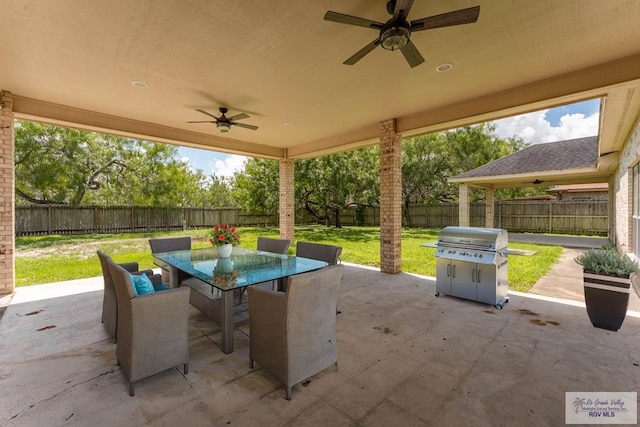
429,160
56,165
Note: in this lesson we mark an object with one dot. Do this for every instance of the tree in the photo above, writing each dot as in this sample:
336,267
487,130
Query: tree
218,193
256,188
428,161
57,165
325,186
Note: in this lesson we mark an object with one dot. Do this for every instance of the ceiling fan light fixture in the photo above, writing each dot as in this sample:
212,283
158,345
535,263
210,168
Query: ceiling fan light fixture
224,127
395,38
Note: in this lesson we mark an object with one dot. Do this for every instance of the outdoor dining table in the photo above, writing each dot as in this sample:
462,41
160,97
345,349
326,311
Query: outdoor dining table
245,267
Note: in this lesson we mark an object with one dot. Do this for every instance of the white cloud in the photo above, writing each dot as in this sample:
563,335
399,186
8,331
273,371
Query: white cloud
535,128
228,165
187,161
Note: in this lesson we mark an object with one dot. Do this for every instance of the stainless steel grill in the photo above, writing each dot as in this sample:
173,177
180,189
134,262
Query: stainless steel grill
472,264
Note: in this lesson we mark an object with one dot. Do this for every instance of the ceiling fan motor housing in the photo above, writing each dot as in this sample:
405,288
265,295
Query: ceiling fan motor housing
395,35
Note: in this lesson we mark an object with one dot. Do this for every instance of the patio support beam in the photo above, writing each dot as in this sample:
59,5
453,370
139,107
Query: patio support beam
464,219
489,208
286,200
7,201
390,198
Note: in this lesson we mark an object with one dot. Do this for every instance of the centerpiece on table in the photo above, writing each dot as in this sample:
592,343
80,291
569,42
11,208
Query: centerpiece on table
224,237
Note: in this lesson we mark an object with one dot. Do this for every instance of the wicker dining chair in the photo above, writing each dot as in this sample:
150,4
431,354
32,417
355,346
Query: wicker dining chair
153,329
277,246
170,244
293,334
109,302
318,251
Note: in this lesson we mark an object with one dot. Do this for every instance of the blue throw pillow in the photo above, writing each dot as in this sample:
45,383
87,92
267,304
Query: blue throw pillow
141,284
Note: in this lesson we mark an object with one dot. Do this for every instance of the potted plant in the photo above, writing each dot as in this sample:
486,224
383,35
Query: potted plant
607,281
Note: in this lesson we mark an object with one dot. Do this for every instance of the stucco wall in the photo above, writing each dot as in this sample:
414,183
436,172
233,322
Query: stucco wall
621,193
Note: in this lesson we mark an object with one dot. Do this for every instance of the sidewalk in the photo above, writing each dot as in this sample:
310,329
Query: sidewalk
564,279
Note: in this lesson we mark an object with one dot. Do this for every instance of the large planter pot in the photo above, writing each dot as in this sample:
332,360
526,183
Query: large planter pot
224,251
607,299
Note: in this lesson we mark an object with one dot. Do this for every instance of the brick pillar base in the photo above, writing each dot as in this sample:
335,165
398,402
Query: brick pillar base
390,198
287,213
7,211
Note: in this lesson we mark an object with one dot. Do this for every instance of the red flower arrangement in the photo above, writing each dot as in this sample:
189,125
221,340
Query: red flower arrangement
224,234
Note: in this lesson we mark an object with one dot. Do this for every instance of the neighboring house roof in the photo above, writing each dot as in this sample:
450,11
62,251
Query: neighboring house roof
569,154
574,161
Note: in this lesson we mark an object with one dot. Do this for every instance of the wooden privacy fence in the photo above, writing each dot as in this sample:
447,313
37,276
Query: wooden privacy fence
535,217
43,220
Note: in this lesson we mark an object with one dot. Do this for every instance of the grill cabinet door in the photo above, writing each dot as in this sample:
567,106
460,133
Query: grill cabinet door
463,284
443,276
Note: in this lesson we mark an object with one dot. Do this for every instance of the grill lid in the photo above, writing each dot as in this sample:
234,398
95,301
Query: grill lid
489,239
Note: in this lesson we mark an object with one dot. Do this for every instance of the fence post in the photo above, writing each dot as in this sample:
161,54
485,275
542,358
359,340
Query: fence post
550,217
49,219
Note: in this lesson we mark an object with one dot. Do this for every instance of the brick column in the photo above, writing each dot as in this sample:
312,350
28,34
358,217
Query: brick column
489,208
287,213
7,211
390,198
464,219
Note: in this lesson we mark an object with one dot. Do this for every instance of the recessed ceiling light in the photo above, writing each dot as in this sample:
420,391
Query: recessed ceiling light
288,125
443,68
138,83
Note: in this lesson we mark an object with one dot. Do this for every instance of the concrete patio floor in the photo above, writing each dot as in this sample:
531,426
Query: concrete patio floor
405,358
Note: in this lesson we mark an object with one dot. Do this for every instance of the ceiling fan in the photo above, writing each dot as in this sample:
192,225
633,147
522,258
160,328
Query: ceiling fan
396,32
223,122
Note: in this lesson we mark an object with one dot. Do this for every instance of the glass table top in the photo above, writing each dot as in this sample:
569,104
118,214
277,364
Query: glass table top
244,267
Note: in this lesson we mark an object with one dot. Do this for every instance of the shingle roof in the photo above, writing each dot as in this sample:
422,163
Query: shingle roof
560,155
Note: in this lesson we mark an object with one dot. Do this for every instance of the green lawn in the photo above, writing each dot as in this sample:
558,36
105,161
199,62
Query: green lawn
57,258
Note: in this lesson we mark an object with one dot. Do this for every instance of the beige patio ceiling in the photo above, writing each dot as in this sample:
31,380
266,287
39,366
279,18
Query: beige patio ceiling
74,61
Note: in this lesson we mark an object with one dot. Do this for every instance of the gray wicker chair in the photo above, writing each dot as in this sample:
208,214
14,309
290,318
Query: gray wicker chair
318,251
170,244
321,252
293,334
109,303
278,246
153,329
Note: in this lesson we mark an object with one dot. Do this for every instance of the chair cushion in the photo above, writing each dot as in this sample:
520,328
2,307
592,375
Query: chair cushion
161,287
141,284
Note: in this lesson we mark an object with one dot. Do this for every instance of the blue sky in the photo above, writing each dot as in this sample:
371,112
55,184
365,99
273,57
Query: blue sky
556,124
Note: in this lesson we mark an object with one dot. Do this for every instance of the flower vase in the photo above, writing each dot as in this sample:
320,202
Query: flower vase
224,251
